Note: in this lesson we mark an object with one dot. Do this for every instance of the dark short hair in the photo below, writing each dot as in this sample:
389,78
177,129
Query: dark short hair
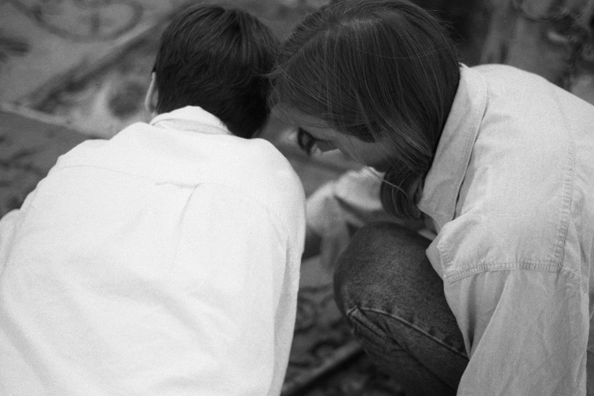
219,59
370,69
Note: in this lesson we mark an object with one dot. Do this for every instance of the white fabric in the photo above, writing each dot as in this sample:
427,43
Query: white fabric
511,195
164,261
340,206
511,190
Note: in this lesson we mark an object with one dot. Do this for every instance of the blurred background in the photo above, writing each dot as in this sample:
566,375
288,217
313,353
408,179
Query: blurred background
71,70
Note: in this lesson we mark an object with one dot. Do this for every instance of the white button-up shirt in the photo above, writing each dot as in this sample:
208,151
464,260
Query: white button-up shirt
511,191
163,261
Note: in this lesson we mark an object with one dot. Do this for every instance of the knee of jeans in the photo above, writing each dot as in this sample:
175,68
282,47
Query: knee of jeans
359,265
366,272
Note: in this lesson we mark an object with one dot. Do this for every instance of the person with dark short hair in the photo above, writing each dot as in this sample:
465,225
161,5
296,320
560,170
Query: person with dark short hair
216,59
165,260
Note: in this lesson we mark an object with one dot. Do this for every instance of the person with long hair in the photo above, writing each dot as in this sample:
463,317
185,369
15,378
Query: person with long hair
499,161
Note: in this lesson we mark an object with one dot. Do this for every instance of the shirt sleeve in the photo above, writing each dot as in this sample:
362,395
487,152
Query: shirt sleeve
7,229
353,199
9,224
341,205
246,300
521,321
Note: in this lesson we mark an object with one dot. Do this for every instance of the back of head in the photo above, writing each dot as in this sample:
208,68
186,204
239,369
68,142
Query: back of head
218,59
374,68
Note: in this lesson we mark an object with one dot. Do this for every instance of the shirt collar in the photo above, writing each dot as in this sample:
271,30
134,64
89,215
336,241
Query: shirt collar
190,118
443,182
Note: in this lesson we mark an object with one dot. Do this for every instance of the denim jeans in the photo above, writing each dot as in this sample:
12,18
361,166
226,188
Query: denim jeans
394,303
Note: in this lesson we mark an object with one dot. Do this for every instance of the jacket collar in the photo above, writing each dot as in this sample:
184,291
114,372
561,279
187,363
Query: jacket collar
444,180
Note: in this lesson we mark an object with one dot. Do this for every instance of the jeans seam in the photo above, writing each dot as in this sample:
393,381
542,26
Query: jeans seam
410,325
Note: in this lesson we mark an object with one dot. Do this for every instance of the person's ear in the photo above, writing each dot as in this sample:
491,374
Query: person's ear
152,95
